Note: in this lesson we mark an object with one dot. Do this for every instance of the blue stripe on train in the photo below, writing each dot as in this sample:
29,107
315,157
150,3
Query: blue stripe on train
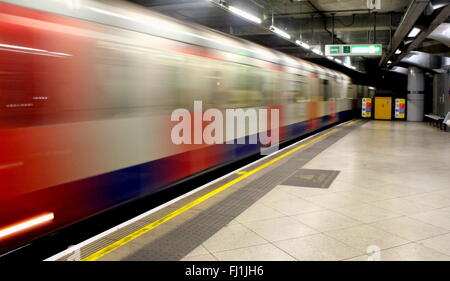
146,182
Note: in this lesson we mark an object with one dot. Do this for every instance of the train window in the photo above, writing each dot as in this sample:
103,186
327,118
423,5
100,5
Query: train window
301,93
351,91
266,86
327,91
295,89
245,91
222,84
276,86
133,79
243,79
314,89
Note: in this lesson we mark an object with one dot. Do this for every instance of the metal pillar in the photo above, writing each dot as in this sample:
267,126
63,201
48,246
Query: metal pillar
441,86
332,28
375,27
416,86
390,28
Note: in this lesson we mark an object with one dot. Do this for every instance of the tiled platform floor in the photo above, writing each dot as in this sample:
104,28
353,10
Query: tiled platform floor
392,194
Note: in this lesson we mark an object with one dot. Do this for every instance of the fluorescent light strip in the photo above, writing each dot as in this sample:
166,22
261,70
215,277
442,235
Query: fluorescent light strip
306,46
155,23
280,32
338,60
303,44
318,52
398,52
414,32
245,15
26,224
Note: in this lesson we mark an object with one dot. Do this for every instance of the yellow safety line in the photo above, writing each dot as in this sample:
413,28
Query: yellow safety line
241,173
136,234
351,122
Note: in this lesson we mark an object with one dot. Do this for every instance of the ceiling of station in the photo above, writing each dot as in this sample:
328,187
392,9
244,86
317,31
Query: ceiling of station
316,22
345,7
311,20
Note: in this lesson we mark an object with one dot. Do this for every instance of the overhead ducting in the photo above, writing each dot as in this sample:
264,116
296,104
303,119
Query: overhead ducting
441,34
425,61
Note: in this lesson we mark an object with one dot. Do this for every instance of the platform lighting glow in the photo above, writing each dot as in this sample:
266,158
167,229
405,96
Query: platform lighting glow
398,52
244,14
280,32
338,60
389,62
162,25
318,52
303,44
26,224
330,58
26,50
414,32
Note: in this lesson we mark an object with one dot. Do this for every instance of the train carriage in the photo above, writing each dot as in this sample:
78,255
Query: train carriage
86,93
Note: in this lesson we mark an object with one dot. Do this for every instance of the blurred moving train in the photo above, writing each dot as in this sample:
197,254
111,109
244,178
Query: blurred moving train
86,92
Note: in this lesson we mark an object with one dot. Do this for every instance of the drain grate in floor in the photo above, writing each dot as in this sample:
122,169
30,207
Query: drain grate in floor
312,178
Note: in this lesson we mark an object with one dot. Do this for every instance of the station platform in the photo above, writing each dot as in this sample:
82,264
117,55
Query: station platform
363,190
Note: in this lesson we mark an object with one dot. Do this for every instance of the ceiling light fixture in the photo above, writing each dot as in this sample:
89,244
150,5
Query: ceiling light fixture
280,32
244,14
317,51
414,32
303,44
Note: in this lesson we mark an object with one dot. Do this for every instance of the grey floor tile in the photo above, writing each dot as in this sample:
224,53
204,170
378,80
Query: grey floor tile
233,237
364,236
294,206
412,252
326,220
317,247
367,213
409,228
267,252
440,243
280,228
436,217
206,257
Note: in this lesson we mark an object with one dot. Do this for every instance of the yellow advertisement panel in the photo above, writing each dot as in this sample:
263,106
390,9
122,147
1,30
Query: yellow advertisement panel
366,110
400,108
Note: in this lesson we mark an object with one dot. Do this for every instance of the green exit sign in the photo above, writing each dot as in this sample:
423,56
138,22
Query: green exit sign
367,49
335,49
354,50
